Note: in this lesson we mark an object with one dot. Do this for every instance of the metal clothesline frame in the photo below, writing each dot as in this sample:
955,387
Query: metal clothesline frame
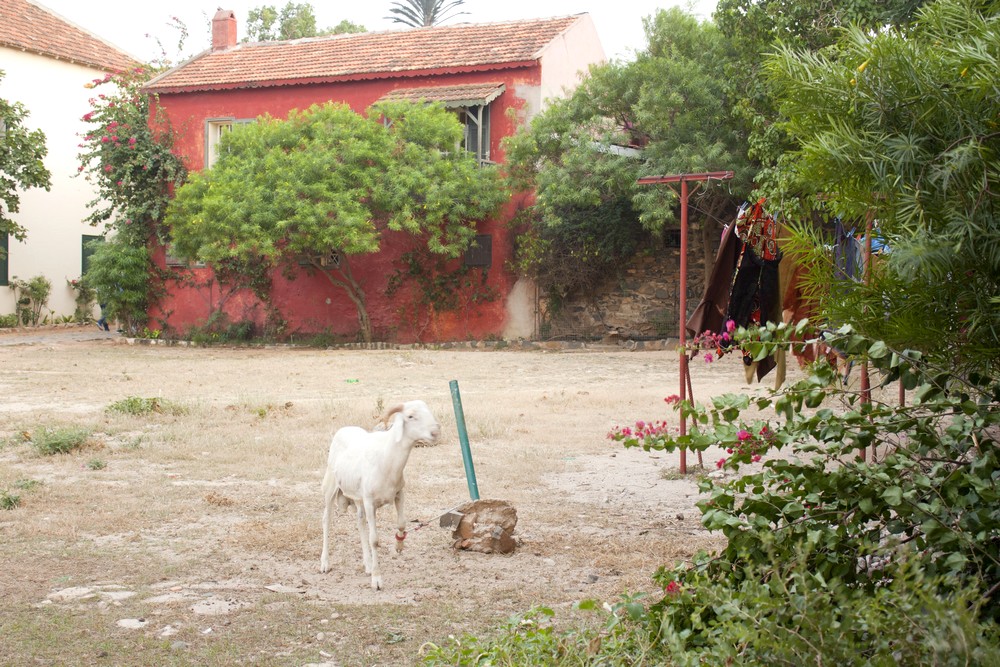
684,371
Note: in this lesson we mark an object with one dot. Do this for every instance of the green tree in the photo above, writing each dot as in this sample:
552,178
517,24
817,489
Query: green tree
122,274
918,149
664,113
295,20
327,183
754,28
22,152
424,13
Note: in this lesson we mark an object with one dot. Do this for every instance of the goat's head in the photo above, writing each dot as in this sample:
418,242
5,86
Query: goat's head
413,420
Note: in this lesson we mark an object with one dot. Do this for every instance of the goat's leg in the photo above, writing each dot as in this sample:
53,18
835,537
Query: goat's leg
363,533
400,521
329,489
373,543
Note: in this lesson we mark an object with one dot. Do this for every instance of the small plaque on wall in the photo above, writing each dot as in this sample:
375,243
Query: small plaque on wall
480,253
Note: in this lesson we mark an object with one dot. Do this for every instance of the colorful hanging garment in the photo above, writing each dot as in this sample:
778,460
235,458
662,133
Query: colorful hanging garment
754,296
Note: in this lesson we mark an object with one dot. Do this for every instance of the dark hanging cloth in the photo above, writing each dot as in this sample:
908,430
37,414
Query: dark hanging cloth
711,311
744,284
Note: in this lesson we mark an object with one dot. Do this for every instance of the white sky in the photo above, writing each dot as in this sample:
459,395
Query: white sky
135,26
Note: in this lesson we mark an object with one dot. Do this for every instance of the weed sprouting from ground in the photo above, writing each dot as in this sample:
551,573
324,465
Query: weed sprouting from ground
139,406
9,501
61,440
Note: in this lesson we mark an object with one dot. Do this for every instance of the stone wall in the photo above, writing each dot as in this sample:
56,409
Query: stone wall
641,300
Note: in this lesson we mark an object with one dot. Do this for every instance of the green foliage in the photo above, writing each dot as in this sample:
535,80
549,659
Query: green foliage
127,155
754,29
219,330
329,183
440,288
927,495
424,13
84,295
58,440
96,464
294,21
8,321
22,152
30,296
785,614
9,501
662,114
136,406
532,639
345,27
121,275
917,147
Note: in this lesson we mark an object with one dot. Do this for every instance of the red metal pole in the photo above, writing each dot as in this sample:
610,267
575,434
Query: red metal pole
866,390
685,374
682,336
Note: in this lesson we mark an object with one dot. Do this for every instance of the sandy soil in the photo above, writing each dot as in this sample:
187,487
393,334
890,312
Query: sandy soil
191,535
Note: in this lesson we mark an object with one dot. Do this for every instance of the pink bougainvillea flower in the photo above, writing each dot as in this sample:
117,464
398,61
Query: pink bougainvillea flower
709,358
673,588
107,168
720,463
755,458
743,435
673,398
730,326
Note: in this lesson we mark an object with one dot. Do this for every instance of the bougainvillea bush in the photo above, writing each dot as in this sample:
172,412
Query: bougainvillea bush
922,499
127,155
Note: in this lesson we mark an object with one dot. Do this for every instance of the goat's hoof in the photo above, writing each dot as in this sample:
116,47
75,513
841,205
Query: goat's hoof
324,566
399,547
376,583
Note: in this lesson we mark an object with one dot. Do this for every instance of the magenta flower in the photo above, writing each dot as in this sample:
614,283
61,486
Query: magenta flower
709,358
730,326
720,463
673,398
755,458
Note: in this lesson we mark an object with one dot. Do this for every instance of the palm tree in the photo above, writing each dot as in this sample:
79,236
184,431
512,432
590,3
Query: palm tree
424,13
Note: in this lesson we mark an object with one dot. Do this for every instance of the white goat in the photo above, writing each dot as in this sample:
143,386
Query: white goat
365,469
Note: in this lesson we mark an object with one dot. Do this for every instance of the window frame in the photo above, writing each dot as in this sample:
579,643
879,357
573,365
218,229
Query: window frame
5,260
215,128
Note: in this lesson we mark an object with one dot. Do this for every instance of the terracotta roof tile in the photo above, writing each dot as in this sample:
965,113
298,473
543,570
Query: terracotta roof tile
31,27
365,55
461,95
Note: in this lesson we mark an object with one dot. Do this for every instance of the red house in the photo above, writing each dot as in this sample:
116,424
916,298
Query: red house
481,71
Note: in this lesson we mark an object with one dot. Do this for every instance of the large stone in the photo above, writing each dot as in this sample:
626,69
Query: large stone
486,526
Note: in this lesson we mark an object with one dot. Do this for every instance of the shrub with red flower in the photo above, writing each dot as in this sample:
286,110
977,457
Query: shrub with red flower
128,157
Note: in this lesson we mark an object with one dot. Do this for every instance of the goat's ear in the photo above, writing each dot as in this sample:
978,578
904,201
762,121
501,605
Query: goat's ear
395,426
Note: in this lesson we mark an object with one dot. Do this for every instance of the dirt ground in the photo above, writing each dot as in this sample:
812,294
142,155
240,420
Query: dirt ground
192,535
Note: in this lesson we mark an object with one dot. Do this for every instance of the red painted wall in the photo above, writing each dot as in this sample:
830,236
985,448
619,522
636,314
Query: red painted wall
310,303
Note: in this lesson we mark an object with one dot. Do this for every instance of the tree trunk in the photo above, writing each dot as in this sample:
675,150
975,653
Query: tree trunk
354,292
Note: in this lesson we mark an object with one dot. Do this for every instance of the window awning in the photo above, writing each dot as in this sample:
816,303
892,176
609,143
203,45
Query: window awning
465,95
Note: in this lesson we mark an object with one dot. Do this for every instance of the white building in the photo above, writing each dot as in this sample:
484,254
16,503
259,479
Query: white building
47,61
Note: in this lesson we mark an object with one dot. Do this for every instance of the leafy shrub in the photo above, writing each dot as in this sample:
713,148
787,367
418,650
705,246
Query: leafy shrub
96,464
136,405
8,321
787,614
9,501
925,497
62,440
531,639
30,296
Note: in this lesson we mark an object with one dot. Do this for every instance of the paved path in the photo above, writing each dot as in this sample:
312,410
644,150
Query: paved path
49,335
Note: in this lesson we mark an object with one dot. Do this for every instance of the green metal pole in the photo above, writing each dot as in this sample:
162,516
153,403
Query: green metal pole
463,438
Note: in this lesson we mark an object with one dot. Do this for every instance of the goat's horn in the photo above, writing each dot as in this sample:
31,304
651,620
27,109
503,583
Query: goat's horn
393,410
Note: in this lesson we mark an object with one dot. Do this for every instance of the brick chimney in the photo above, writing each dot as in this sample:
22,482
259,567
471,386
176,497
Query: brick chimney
223,30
